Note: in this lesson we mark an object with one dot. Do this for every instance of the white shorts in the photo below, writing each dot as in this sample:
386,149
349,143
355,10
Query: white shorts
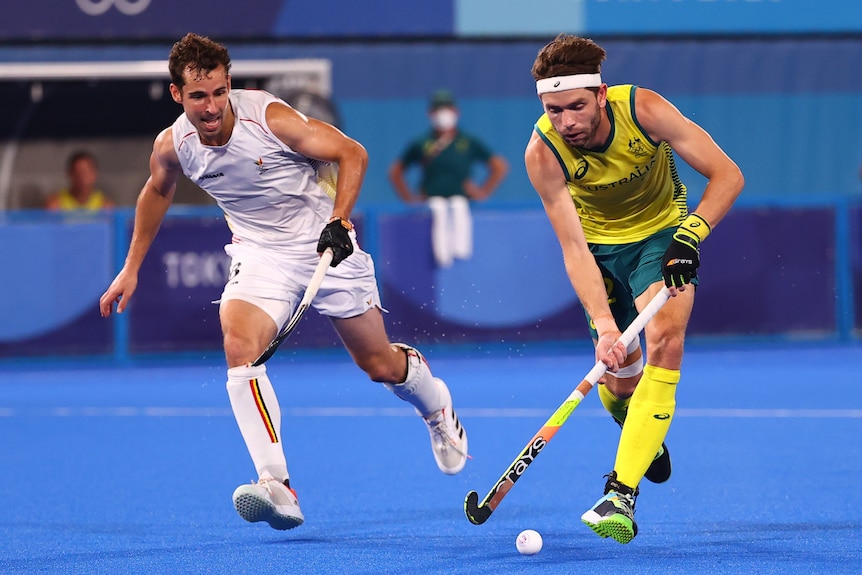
275,280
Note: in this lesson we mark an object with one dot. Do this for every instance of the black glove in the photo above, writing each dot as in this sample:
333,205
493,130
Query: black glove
335,235
682,258
680,263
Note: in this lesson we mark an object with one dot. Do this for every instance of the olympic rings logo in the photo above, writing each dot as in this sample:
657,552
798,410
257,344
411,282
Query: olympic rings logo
99,7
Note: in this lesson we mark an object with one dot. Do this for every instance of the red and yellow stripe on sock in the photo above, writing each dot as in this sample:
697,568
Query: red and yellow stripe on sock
262,410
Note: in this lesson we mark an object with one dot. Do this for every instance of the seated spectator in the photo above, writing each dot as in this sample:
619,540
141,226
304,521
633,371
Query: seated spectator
81,193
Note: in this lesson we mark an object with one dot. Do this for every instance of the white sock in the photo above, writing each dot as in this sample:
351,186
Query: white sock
420,389
258,415
441,240
462,228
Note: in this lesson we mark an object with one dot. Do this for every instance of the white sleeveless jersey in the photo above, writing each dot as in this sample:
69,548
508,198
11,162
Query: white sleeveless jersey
268,192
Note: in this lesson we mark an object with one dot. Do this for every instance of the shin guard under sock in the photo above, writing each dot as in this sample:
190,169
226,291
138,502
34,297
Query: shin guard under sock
647,422
258,416
419,389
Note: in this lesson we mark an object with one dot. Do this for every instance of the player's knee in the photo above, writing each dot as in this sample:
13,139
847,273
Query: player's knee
239,349
666,347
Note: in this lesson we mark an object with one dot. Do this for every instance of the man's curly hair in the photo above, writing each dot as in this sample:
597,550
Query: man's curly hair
199,55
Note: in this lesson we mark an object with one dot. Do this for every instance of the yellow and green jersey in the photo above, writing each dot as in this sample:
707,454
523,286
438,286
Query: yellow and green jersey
67,202
626,190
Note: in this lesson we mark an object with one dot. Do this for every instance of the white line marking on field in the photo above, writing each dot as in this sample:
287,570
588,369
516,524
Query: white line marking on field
772,413
477,412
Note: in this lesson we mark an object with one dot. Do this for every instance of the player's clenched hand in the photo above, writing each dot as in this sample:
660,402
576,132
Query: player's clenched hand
336,236
679,264
610,351
682,258
120,292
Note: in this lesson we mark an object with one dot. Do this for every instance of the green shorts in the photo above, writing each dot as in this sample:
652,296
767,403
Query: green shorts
628,270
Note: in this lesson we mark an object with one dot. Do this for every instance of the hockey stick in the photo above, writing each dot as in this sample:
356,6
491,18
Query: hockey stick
304,304
477,512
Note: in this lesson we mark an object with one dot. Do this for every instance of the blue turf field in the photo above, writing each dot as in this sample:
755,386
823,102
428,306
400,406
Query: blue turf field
130,470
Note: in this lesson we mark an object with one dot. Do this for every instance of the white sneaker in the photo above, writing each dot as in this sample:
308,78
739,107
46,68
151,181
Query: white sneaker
448,438
268,500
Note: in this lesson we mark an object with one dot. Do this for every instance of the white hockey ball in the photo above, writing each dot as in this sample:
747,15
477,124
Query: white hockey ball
529,542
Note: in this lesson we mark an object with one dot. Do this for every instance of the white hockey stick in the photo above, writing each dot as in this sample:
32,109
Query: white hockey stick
304,304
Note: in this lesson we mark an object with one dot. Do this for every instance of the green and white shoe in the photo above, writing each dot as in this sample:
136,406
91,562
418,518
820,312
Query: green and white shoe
614,514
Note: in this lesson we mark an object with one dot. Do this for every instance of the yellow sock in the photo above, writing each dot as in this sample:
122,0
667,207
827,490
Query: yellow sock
613,404
648,419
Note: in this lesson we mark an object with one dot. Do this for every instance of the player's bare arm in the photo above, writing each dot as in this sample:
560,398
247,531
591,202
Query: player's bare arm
322,141
663,121
152,205
547,178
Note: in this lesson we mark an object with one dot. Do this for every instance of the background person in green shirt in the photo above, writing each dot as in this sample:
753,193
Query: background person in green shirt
447,157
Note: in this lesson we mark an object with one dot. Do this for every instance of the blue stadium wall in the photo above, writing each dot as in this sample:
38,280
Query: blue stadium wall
773,273
786,109
145,19
785,264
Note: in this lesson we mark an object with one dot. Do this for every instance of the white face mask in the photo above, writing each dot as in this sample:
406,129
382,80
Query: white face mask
444,119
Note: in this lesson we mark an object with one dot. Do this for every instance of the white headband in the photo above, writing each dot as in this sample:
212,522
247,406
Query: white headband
560,83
